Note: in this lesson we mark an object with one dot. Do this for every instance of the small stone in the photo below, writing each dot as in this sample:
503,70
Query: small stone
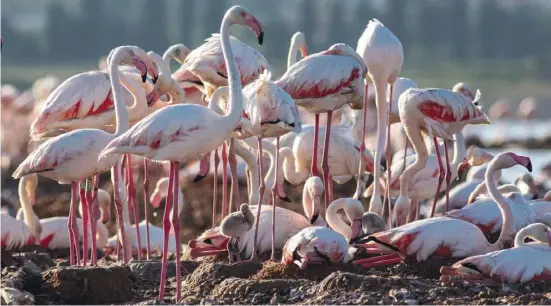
411,302
399,295
31,266
12,296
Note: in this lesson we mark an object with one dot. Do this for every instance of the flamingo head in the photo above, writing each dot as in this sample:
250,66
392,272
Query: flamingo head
153,97
211,242
314,188
137,57
510,159
299,40
372,223
240,15
463,89
528,180
464,165
477,156
160,192
179,52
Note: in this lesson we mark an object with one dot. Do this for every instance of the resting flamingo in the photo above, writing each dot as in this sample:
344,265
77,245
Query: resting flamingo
383,54
73,157
524,263
213,241
322,83
444,236
182,132
439,113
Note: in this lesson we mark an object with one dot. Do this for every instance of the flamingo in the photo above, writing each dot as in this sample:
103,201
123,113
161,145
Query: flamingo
235,225
523,263
527,108
464,89
383,54
182,132
444,236
500,110
439,113
85,100
73,157
322,83
213,241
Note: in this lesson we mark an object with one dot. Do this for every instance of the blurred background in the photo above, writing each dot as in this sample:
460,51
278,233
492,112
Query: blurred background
502,47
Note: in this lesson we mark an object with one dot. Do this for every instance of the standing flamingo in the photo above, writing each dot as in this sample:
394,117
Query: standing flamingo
523,263
439,113
383,54
444,236
464,89
322,83
183,132
73,157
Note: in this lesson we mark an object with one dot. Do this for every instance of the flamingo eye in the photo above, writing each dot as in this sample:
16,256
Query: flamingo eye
207,241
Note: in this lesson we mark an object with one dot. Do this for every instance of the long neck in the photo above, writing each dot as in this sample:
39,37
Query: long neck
270,148
333,219
234,77
215,98
507,228
413,132
102,234
137,92
121,112
294,173
382,109
29,217
459,150
292,56
252,166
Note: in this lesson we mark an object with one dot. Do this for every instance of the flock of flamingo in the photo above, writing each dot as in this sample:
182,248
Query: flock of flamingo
223,100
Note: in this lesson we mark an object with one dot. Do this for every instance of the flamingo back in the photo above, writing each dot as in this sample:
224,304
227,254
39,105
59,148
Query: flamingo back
316,244
15,233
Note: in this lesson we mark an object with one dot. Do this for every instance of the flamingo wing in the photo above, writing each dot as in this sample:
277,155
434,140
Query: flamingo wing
321,75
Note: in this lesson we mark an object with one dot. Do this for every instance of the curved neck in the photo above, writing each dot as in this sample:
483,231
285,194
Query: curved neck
508,226
459,150
220,92
121,113
293,173
413,132
292,55
270,148
234,77
136,90
27,203
102,234
333,219
252,166
382,110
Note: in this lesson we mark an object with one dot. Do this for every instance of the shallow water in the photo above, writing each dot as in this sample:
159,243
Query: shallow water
508,130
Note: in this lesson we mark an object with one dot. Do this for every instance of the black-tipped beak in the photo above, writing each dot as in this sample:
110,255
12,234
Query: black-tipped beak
198,178
286,199
261,38
529,166
314,218
144,78
155,79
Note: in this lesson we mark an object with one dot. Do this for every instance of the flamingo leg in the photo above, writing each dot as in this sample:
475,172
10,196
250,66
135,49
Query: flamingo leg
166,232
119,248
215,188
376,259
132,202
93,211
448,176
261,194
85,216
235,196
72,226
176,227
388,208
314,168
387,151
274,191
325,165
224,181
146,207
440,175
330,191
96,186
362,142
119,209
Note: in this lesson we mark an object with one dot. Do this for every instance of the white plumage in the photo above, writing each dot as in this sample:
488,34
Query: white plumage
15,233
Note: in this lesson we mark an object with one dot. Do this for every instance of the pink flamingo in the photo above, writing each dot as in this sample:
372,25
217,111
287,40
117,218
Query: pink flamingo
444,236
322,83
464,89
383,54
500,110
524,263
527,108
73,157
439,113
166,136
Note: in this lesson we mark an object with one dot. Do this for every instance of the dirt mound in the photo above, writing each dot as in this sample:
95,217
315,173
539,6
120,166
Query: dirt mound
272,291
276,270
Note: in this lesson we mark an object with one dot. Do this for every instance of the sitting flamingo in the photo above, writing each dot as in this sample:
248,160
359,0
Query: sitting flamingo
444,236
523,263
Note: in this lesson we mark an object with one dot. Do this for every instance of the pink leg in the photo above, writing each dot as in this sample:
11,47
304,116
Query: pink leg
448,176
261,194
119,248
388,209
146,207
412,211
132,199
325,165
72,226
362,142
93,211
224,181
274,191
166,232
234,179
118,208
330,191
440,175
176,227
314,167
215,188
387,154
84,222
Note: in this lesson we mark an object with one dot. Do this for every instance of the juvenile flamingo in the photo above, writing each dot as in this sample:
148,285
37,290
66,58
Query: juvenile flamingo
322,83
202,131
383,54
73,157
524,263
444,236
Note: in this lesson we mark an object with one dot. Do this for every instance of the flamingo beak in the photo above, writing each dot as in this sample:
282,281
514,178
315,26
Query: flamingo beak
303,51
141,66
463,165
282,194
156,199
356,229
204,168
153,97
